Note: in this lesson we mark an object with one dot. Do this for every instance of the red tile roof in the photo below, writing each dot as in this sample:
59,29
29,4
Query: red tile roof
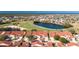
24,44
36,42
39,33
60,44
52,34
28,33
7,33
71,44
7,43
1,32
50,44
17,33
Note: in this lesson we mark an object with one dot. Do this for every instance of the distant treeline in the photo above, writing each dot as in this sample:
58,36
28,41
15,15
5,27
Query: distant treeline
9,29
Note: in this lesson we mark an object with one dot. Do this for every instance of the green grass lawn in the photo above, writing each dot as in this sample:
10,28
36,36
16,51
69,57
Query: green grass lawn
28,25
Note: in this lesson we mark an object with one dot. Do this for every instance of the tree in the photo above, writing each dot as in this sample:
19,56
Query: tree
48,35
72,31
2,37
56,37
31,37
63,40
16,23
34,30
67,25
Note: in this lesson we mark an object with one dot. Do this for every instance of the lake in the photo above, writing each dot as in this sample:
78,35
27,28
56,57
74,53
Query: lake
49,25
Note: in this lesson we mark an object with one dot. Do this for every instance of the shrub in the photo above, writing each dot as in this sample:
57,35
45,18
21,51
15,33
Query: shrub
67,25
34,30
2,37
72,31
36,22
56,37
31,37
63,40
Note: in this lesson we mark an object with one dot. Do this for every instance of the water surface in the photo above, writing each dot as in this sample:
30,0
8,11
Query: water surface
50,26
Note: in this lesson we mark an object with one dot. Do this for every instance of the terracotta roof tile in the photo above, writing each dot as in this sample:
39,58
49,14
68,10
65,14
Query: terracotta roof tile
39,33
60,44
28,33
71,44
36,42
52,34
17,33
7,43
7,33
1,32
50,44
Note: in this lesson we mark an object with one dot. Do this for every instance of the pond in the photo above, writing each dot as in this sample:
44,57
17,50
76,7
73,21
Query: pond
49,25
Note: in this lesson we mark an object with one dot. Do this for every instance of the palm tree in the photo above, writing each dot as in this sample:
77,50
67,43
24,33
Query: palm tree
48,35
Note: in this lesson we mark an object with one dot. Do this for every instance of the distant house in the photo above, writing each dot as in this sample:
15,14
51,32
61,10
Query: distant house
1,20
